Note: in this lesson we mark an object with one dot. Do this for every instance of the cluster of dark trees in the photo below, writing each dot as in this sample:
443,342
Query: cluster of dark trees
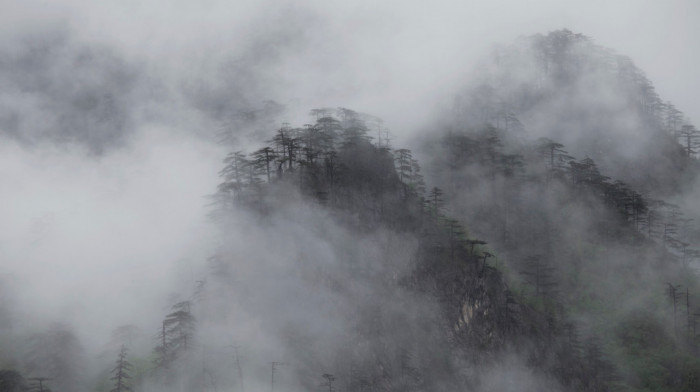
176,336
338,165
560,223
656,219
51,360
529,239
335,162
325,159
174,350
549,162
684,317
519,194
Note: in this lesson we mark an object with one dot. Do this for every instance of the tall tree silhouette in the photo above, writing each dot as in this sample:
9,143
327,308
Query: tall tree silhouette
120,373
176,337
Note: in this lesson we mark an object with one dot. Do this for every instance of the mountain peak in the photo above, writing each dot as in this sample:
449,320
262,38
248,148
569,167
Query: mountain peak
598,103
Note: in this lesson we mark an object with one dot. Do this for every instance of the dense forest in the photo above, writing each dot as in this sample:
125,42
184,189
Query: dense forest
540,236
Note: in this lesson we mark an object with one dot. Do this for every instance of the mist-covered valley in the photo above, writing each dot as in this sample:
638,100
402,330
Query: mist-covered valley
270,196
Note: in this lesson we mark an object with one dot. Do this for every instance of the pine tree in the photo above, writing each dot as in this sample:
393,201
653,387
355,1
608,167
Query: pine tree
176,335
436,202
689,137
120,373
180,327
417,181
553,155
262,158
233,173
402,159
286,144
540,275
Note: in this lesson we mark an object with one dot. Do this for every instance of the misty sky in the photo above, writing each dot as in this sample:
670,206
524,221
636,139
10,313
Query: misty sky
71,221
387,58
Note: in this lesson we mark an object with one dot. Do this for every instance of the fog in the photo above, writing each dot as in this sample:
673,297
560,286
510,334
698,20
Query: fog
85,239
111,124
377,58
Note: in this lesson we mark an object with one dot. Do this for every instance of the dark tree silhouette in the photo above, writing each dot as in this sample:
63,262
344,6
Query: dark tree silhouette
436,203
416,180
329,382
472,243
12,381
38,384
554,156
176,337
674,296
689,137
234,173
403,158
540,275
286,145
263,158
455,232
120,373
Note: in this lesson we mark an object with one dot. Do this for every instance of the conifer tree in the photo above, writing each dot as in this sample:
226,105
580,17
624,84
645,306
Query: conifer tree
402,159
554,156
436,201
417,181
689,137
176,335
120,373
540,275
263,158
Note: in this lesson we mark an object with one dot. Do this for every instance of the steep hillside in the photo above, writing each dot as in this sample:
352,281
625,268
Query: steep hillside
537,162
410,301
540,245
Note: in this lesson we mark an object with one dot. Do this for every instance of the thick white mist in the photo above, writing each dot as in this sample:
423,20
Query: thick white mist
100,242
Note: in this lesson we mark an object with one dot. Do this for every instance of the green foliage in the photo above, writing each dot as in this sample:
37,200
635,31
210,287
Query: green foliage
657,361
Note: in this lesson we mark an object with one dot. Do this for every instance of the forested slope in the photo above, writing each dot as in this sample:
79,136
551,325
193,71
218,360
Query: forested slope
542,242
581,177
